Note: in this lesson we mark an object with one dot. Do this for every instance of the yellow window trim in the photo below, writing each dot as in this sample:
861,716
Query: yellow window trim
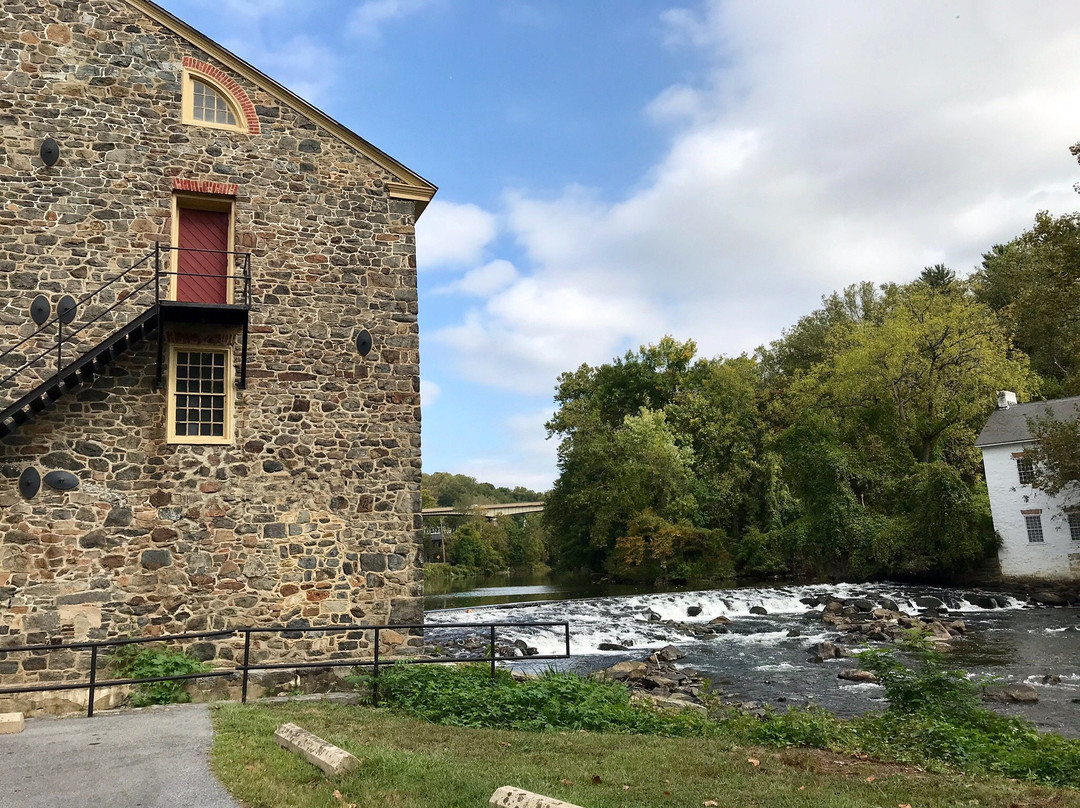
187,105
170,417
222,204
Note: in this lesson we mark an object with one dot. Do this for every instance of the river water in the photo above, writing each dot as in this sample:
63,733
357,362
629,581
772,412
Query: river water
765,658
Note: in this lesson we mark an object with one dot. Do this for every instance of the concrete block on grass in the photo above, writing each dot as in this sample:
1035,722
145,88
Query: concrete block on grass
331,759
10,723
510,797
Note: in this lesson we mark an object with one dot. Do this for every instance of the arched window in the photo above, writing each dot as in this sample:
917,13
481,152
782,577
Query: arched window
206,102
210,106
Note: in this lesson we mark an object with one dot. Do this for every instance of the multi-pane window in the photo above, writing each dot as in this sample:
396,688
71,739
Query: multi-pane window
1025,470
209,106
1074,525
200,396
1034,528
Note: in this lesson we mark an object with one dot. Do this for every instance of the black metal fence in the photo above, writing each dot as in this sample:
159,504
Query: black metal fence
246,666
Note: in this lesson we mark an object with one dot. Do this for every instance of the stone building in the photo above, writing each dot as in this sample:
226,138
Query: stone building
209,362
1040,534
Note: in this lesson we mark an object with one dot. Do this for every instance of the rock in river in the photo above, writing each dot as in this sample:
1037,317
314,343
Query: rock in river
1023,694
856,675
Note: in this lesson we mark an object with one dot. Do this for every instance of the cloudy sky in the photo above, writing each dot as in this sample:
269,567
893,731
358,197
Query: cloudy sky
611,172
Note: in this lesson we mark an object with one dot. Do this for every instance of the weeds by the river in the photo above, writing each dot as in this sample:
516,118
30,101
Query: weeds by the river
933,719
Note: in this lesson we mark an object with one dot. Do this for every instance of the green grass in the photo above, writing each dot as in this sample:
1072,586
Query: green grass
934,719
411,763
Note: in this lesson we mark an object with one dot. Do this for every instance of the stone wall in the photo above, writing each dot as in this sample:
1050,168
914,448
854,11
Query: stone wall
312,514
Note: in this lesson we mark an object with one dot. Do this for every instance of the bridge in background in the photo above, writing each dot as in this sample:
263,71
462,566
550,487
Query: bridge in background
487,511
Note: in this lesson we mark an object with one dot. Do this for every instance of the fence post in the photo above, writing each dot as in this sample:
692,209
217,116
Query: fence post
93,681
566,626
244,677
493,652
375,673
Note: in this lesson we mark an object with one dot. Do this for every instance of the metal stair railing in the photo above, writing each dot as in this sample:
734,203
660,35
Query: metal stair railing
64,317
67,337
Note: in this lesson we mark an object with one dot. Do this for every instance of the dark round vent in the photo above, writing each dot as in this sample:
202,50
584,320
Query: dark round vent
40,309
65,309
363,342
29,482
61,480
50,152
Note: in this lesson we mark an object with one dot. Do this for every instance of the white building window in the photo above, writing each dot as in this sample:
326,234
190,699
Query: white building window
1025,470
1034,528
1074,525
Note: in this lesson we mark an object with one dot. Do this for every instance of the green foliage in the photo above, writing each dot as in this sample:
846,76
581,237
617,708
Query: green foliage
933,718
928,689
466,696
812,727
656,549
460,491
1055,455
467,546
148,662
1033,282
843,449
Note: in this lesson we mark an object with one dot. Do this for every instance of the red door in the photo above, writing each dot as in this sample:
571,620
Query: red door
203,260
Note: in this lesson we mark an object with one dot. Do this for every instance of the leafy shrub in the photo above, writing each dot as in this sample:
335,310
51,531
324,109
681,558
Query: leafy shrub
466,696
929,688
148,662
812,727
934,716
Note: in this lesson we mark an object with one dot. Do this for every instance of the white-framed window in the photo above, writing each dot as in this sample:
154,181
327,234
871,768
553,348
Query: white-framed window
210,106
1025,470
205,103
1074,524
1033,522
200,394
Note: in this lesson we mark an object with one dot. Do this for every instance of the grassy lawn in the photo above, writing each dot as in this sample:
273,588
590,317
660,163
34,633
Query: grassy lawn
410,763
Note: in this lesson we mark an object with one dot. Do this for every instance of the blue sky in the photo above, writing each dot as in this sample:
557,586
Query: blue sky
611,172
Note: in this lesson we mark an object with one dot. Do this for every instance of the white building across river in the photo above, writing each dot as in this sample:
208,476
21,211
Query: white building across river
1040,534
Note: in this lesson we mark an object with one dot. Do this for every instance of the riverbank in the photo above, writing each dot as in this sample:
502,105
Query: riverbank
765,655
413,764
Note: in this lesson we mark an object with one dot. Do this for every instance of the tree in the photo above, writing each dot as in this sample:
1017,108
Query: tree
1055,456
931,363
1033,282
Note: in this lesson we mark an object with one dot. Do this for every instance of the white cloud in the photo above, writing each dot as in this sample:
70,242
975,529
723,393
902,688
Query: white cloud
452,234
483,281
527,334
300,63
528,458
825,144
430,392
368,18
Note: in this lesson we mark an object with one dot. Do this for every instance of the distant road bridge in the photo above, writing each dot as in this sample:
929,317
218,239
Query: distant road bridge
487,511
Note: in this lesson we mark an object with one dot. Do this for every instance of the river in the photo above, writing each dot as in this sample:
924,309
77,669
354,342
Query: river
765,658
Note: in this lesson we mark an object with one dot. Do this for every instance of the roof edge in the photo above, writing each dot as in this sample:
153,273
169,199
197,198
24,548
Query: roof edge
412,185
1003,443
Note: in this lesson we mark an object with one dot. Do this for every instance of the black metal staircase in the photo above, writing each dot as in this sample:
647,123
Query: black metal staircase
141,311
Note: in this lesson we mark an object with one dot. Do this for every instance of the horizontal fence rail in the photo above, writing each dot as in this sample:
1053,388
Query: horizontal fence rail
246,666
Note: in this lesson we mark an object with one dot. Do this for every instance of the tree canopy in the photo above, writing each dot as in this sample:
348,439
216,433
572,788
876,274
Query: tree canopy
843,448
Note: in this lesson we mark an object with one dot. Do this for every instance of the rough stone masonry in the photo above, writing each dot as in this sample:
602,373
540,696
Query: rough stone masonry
311,514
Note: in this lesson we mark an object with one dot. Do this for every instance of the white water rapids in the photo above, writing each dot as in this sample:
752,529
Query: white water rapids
765,658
